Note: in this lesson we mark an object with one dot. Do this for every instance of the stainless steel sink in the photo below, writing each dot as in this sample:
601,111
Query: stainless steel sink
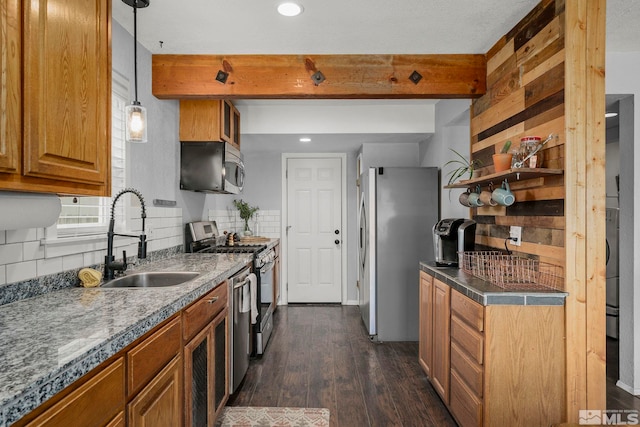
152,279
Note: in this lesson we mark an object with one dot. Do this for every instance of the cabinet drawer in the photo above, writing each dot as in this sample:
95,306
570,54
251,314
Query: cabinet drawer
468,310
204,310
468,371
464,405
467,339
149,357
95,403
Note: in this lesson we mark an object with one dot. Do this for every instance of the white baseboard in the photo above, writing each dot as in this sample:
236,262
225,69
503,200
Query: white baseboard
628,389
351,302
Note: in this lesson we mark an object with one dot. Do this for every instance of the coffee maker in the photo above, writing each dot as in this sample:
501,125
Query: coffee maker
451,236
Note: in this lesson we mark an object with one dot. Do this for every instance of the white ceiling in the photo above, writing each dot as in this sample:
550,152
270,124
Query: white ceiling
346,27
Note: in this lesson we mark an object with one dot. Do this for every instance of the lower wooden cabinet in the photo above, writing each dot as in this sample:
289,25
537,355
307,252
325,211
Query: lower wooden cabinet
441,324
493,365
425,343
206,381
159,404
95,403
434,333
118,421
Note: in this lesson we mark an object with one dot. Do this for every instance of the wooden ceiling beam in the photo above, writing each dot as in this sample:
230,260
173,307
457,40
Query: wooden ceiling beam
292,76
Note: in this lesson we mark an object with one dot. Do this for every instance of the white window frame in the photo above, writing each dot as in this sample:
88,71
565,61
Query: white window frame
120,172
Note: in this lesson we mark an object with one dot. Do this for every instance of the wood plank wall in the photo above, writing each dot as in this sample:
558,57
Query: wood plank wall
525,96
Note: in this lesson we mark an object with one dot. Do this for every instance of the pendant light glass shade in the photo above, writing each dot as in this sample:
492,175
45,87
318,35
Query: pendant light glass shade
136,114
136,130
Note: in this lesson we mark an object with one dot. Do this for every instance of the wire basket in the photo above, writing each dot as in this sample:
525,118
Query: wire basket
513,272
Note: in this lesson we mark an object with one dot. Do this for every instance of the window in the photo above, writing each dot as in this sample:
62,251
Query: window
90,215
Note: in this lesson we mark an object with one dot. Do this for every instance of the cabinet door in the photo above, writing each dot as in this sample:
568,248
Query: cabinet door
441,340
220,362
159,404
226,119
10,94
426,323
206,376
67,90
235,140
94,403
198,381
200,120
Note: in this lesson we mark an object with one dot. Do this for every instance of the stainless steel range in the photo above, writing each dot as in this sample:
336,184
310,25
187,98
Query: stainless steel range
203,237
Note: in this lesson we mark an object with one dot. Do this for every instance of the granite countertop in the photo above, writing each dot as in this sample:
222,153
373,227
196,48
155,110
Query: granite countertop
50,341
486,293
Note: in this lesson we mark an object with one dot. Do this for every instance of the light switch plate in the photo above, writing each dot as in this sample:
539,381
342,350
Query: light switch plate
515,232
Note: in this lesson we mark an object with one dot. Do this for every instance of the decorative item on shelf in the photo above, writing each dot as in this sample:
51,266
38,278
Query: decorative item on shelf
533,147
474,198
246,212
502,160
465,166
528,146
503,196
464,198
136,114
486,196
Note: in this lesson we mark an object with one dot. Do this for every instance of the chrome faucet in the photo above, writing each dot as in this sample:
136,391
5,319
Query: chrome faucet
110,265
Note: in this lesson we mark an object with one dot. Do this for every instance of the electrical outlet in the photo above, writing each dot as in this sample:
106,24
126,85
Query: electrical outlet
515,233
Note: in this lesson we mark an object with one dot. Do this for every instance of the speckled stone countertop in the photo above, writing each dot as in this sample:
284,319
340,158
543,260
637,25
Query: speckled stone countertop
485,293
50,341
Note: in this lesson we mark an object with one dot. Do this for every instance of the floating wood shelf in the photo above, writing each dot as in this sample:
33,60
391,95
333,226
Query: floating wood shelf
509,175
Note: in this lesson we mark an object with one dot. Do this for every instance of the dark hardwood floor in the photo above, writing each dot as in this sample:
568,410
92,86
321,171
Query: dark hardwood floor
320,356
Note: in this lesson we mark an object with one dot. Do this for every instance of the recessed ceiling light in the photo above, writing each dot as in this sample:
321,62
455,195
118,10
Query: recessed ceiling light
305,139
289,9
607,115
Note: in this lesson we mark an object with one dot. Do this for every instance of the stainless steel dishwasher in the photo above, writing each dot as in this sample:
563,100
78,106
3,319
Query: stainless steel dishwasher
239,307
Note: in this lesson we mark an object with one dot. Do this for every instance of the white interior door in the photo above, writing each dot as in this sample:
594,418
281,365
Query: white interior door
315,232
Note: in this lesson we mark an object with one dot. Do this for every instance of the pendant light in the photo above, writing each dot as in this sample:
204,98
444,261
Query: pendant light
136,114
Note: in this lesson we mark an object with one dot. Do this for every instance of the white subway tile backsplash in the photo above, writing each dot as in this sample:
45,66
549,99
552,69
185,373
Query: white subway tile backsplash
94,257
20,271
23,256
49,266
10,253
71,262
32,250
24,235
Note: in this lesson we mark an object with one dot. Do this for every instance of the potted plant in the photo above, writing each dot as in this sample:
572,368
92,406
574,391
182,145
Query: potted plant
464,166
246,212
502,160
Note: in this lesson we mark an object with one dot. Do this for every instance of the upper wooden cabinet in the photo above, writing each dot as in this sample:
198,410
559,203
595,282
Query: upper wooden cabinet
57,126
209,120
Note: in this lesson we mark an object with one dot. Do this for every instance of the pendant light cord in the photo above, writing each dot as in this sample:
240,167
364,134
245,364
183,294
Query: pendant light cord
135,50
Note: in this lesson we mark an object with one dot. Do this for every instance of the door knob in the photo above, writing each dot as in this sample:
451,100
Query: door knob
337,242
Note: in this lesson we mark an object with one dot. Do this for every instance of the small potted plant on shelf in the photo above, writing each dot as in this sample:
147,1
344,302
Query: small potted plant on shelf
502,160
464,166
246,213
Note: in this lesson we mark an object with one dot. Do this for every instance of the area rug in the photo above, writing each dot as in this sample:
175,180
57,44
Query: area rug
248,416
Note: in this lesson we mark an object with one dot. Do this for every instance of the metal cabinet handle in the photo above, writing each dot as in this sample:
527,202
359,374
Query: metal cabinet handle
212,300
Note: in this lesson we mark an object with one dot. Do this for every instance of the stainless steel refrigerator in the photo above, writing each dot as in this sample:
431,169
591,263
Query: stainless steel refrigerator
398,208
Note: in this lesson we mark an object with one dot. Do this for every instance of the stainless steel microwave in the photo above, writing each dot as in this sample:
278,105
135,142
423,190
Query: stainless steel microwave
212,167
